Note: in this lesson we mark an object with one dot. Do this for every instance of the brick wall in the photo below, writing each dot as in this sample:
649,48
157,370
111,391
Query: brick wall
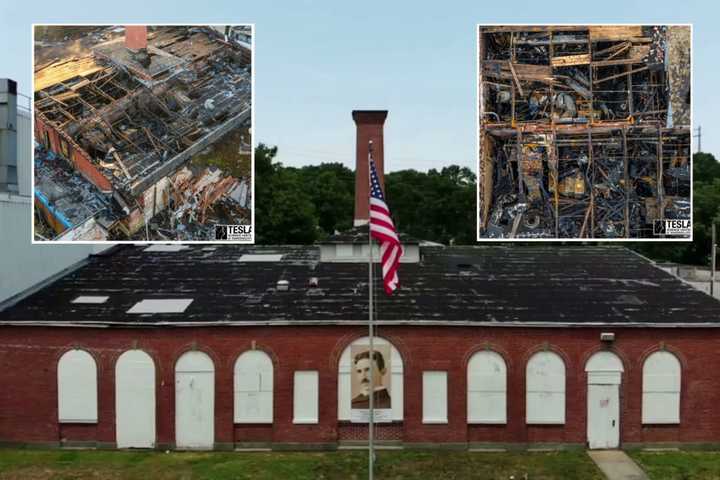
72,152
28,372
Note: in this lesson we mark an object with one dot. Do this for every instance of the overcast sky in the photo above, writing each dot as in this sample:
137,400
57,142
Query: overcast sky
317,61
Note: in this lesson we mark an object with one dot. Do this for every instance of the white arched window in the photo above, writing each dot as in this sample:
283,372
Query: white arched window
253,388
661,389
77,388
487,388
545,389
345,379
135,400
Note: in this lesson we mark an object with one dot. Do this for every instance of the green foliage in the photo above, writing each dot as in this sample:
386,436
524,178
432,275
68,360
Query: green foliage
682,465
706,209
302,205
331,188
706,167
284,211
436,206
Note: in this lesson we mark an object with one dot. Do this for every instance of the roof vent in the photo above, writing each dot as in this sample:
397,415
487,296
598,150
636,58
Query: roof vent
314,282
261,257
90,299
283,285
163,305
166,248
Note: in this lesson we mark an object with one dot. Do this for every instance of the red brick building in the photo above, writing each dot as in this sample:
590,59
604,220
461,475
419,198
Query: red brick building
240,346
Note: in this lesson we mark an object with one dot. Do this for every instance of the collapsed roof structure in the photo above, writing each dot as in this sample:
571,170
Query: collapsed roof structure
584,130
130,115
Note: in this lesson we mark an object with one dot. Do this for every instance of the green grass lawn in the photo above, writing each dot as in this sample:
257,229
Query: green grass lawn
346,465
679,465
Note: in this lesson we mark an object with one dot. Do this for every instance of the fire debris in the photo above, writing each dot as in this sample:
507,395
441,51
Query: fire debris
68,206
584,131
132,112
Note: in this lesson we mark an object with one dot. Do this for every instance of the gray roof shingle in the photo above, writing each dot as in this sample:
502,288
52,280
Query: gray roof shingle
497,284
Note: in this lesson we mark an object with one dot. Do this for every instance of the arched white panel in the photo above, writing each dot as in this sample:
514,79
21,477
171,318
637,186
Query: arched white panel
195,361
135,400
604,361
345,380
253,380
195,401
77,388
545,389
487,388
661,389
604,368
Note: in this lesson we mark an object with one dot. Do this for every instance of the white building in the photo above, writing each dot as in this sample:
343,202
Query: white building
698,277
23,264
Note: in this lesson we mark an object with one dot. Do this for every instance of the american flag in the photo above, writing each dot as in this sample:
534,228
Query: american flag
383,230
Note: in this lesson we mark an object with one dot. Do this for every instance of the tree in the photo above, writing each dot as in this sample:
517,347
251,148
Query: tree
284,212
331,188
705,168
436,206
706,209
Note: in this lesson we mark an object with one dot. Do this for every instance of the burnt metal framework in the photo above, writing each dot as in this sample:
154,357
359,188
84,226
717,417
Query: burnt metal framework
575,140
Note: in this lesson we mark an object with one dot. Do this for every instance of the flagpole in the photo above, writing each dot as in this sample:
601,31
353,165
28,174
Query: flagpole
371,449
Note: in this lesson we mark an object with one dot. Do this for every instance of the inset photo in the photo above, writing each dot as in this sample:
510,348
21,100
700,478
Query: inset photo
143,133
584,132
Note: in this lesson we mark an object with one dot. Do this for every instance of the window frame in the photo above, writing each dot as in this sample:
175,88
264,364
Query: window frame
268,418
299,416
538,392
69,396
675,390
486,419
429,416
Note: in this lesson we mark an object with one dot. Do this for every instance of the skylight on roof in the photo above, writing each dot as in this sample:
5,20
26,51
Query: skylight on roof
166,248
161,305
90,299
261,257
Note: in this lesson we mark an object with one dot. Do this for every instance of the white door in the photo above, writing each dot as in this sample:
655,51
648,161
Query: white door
195,401
603,416
135,400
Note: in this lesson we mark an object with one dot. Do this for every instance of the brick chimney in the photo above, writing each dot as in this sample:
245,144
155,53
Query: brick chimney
8,136
369,127
136,37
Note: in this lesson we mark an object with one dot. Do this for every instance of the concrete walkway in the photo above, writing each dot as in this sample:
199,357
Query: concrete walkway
616,465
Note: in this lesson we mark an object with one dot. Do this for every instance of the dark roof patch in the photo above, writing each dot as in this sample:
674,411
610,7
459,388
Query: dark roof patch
508,284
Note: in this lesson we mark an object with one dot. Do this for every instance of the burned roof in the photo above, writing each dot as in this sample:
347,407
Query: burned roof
500,285
359,235
135,121
112,107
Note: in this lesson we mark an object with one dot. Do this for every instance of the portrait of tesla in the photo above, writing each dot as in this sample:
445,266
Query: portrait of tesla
361,369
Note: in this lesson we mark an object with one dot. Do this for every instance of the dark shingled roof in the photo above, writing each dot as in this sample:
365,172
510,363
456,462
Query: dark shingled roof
497,284
359,234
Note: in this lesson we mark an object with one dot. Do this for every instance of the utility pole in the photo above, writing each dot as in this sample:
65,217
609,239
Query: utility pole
698,135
